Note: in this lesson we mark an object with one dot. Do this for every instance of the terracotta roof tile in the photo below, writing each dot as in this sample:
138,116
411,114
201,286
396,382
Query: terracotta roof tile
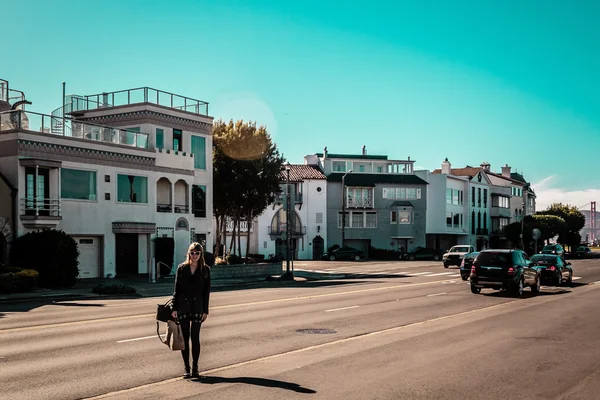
300,172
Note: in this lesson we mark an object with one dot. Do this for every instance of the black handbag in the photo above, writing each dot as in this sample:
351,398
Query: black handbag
163,311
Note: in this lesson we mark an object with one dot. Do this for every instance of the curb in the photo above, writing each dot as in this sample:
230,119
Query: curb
137,295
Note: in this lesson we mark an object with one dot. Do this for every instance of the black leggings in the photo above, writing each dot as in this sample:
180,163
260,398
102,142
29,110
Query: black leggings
185,329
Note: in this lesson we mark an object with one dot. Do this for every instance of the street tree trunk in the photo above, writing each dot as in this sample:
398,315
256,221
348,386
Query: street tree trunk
248,236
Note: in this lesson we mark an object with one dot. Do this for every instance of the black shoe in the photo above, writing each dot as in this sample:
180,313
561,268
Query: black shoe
195,372
187,374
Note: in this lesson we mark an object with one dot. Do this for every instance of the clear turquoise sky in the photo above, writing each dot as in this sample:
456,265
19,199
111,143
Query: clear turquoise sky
512,81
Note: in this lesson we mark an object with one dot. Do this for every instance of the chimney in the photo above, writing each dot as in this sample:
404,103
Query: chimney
325,152
506,171
446,167
485,166
364,150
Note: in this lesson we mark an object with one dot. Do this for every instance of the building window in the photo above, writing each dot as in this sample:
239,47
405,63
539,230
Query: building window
359,197
78,185
500,201
455,197
461,197
132,189
405,217
357,220
370,220
411,194
503,222
448,220
479,220
478,197
160,138
473,223
379,169
456,220
347,220
361,168
473,196
448,196
177,140
199,151
393,217
485,220
199,201
485,197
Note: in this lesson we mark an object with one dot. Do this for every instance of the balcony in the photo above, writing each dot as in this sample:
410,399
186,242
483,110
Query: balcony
496,211
359,203
40,213
280,230
30,121
482,232
135,96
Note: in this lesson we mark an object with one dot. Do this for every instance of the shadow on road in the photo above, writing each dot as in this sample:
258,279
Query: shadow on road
527,294
76,304
258,382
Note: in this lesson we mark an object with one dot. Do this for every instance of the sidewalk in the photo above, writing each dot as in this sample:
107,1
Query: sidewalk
144,288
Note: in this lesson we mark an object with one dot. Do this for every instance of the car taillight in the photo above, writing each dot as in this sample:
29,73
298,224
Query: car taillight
473,269
511,270
551,268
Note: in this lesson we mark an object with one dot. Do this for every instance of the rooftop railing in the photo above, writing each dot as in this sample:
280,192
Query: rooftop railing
135,96
31,121
10,95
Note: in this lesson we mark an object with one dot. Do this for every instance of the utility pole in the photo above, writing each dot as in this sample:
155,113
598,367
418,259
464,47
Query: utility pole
288,225
593,220
344,206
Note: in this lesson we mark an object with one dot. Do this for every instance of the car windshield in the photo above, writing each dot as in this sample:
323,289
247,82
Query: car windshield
494,259
459,249
540,258
549,247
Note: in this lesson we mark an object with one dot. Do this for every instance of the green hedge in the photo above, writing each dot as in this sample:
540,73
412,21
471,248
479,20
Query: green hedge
20,281
52,253
383,254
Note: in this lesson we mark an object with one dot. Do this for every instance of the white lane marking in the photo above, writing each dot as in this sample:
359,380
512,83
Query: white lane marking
576,278
436,294
343,308
450,276
139,338
441,273
415,274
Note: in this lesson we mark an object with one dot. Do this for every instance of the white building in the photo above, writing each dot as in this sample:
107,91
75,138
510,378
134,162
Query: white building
115,171
308,193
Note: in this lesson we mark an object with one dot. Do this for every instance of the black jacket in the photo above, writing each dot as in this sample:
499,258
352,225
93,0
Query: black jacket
192,292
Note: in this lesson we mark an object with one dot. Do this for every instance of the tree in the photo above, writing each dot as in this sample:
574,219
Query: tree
574,220
247,168
549,225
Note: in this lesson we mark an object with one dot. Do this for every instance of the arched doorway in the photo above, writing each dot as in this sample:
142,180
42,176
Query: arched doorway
318,245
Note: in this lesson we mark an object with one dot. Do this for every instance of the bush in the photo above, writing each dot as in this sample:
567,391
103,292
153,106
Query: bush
233,259
27,279
257,256
9,283
114,289
5,268
52,253
220,261
383,254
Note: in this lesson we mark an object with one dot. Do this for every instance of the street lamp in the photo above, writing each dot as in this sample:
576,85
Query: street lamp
288,225
344,206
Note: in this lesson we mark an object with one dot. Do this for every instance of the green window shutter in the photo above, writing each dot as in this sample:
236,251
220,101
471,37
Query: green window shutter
199,151
160,138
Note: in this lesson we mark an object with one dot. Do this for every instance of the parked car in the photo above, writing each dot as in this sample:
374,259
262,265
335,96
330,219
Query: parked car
422,253
504,270
344,253
455,255
554,249
583,252
465,265
553,268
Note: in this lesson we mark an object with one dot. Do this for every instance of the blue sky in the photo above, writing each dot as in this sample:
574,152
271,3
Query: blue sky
504,82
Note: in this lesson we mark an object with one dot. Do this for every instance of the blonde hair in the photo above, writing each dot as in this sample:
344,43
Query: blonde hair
196,247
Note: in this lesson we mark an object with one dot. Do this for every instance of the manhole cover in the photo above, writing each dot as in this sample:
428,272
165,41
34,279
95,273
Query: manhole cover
317,331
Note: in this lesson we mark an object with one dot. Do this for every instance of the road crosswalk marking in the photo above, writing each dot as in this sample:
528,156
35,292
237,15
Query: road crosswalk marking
576,278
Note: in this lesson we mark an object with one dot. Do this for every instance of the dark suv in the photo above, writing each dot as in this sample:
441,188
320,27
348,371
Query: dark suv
504,269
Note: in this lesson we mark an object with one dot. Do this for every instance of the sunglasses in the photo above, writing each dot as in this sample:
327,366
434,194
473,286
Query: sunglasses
195,253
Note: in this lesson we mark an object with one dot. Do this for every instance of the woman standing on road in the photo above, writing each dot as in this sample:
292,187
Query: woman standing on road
190,303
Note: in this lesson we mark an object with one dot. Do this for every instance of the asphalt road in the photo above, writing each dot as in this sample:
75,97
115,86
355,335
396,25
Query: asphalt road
384,331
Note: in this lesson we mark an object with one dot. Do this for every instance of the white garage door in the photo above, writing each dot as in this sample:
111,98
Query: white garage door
88,257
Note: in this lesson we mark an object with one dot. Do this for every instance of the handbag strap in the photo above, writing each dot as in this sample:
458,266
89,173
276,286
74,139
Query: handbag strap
167,337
